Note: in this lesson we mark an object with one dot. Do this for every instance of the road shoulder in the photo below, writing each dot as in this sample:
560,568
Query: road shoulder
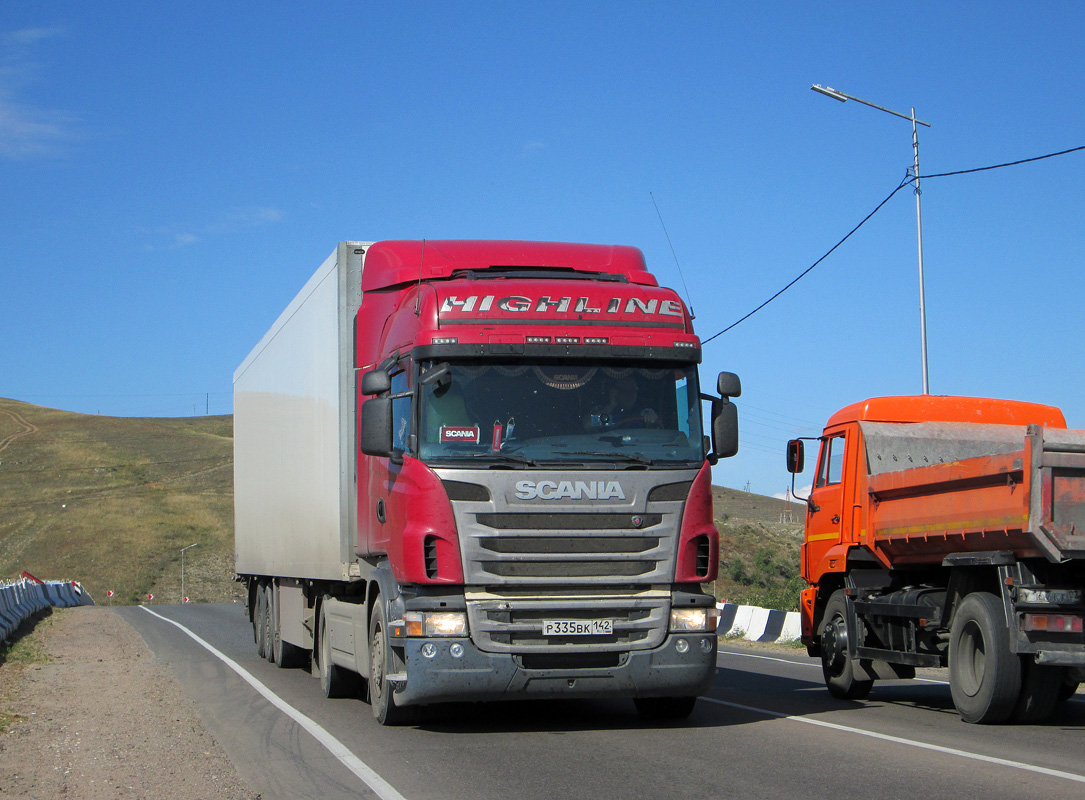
104,718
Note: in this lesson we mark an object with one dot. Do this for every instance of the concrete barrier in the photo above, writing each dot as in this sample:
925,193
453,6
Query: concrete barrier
25,597
758,624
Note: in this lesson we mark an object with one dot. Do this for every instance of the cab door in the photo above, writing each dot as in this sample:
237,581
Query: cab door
825,510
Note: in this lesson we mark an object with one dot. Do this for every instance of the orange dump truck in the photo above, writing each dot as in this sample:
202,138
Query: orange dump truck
948,531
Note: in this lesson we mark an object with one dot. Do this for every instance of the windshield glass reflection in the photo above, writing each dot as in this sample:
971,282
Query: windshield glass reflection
527,413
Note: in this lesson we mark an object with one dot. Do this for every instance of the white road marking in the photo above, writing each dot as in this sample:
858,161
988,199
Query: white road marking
810,663
380,787
952,751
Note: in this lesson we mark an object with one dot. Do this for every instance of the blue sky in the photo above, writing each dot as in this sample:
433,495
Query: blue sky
171,174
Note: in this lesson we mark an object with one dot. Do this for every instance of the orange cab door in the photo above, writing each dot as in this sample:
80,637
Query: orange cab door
825,511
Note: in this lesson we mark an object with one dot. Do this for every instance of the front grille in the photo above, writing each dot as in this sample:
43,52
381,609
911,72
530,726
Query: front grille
557,547
569,522
514,625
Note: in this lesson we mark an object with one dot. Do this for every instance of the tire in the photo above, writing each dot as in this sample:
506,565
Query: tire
283,654
381,695
271,632
984,675
837,666
332,680
1068,689
1040,688
259,615
664,708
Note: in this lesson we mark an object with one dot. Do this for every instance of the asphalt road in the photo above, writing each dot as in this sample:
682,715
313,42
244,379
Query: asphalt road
767,729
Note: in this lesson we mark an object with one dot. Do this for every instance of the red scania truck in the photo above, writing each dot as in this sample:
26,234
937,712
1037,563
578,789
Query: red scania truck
943,531
475,470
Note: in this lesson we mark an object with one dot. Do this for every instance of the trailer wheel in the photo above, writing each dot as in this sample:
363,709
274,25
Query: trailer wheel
332,681
259,616
836,665
664,708
1040,688
283,654
271,618
381,694
984,675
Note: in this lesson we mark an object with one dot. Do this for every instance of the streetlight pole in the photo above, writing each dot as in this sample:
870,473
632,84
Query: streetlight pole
183,569
836,94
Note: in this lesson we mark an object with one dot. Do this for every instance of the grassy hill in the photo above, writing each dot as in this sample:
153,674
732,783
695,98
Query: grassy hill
111,501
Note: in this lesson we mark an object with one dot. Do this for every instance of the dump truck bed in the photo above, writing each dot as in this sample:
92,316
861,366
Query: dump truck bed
936,489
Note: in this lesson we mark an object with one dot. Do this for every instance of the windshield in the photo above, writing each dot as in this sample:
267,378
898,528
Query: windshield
529,413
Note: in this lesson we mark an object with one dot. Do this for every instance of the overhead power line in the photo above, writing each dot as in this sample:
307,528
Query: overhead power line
907,181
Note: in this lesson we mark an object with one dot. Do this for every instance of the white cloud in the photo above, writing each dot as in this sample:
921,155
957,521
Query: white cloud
27,130
232,221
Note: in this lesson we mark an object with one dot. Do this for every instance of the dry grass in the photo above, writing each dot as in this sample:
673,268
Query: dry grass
110,502
759,549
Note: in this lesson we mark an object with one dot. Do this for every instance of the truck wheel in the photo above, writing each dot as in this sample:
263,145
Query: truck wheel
836,665
332,681
1040,687
271,630
984,675
259,614
1068,688
381,695
663,708
284,655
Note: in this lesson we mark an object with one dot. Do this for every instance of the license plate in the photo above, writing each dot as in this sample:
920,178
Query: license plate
578,627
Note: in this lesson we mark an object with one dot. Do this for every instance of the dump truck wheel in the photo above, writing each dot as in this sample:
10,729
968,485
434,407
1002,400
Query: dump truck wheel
836,665
1068,688
984,675
662,708
381,692
1040,688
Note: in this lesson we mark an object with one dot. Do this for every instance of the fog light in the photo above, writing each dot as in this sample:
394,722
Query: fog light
682,646
429,649
706,645
456,650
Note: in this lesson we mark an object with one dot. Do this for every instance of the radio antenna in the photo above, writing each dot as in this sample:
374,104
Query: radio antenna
418,288
680,275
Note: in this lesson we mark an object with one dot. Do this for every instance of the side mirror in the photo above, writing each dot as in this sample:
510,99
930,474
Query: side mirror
724,429
375,438
376,381
728,385
796,459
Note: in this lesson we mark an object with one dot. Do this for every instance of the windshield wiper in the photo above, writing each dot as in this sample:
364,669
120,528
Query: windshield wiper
634,458
501,456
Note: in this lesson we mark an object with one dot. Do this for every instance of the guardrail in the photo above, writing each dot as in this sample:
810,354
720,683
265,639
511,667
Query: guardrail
22,598
758,624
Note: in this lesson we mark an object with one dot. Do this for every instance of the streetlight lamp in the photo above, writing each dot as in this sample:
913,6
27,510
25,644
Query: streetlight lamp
183,569
836,94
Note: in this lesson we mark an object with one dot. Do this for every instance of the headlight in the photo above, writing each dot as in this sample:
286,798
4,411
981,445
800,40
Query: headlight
435,623
1049,597
695,620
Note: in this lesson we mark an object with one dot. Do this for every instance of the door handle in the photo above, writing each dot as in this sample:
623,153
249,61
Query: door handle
380,510
836,519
